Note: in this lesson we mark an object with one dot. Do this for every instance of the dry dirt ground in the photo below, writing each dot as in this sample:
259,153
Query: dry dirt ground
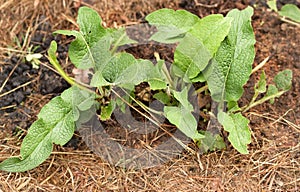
274,160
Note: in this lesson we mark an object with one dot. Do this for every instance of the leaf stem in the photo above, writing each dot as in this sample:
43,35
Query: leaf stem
59,69
262,100
155,122
290,22
165,70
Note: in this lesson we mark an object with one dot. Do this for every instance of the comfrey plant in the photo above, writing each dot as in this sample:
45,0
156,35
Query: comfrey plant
215,50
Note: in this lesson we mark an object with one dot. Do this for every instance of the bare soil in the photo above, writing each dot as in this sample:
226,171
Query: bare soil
274,160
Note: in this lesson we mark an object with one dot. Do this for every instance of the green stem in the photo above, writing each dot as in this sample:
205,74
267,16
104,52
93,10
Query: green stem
59,69
262,100
167,74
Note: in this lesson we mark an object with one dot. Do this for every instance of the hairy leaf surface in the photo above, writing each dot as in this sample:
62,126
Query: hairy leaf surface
237,126
211,31
231,67
91,31
171,25
184,121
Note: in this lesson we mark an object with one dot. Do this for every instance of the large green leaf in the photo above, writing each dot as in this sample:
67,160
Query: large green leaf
171,25
91,31
211,31
142,70
55,124
237,126
124,70
231,67
191,56
117,65
200,44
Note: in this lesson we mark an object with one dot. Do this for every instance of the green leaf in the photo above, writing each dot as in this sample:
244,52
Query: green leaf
291,11
184,121
120,37
261,86
283,80
171,25
54,111
211,142
90,33
233,106
107,110
37,148
231,67
199,45
237,126
140,71
191,56
211,31
272,5
98,80
182,97
117,65
55,124
162,97
272,91
199,78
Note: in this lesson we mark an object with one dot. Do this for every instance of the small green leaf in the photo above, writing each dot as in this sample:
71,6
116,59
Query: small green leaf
184,121
283,80
272,90
182,97
87,103
233,106
98,80
261,86
157,84
272,5
199,78
211,142
162,97
140,71
107,110
237,126
120,37
171,25
291,11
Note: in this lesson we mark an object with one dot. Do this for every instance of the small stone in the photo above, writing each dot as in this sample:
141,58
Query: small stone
283,26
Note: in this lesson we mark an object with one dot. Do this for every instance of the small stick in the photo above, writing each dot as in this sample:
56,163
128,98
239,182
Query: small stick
259,66
10,91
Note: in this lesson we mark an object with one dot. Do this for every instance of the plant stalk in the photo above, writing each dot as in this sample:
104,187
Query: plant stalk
262,100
